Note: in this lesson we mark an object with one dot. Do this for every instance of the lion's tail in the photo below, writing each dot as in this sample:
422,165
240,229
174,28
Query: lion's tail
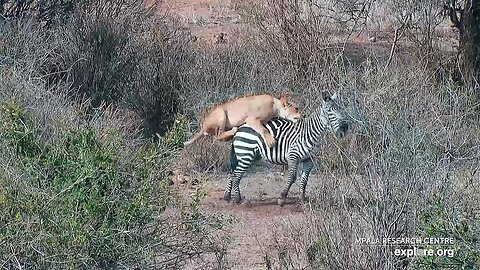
192,140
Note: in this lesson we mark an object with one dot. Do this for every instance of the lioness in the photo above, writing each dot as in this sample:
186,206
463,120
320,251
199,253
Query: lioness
252,110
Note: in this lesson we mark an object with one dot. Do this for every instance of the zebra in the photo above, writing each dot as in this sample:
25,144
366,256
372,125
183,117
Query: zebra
295,143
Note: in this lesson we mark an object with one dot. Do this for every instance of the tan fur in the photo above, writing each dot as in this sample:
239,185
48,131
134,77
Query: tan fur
224,120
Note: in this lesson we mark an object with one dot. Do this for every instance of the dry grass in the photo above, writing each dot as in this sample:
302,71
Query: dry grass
206,155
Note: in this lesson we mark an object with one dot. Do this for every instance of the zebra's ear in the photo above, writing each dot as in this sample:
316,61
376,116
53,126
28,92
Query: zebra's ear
334,96
326,96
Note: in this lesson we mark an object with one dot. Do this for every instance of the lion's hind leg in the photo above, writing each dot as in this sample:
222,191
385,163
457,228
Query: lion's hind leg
218,124
227,135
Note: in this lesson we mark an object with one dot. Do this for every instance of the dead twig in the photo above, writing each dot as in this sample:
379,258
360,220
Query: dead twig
398,34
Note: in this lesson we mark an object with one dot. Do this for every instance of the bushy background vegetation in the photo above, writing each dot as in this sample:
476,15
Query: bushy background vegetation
85,86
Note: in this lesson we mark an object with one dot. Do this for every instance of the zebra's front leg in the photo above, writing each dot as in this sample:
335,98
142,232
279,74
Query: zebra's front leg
307,168
292,176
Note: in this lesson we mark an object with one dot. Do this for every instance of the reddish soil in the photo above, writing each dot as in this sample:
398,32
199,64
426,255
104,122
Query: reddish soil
258,222
253,232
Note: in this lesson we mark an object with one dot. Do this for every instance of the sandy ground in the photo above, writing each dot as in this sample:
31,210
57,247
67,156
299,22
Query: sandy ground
258,221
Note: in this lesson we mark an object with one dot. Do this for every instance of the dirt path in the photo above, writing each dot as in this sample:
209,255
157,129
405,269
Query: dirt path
259,224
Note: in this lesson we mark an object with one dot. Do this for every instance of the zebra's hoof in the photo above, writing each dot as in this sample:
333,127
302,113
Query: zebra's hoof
281,202
227,197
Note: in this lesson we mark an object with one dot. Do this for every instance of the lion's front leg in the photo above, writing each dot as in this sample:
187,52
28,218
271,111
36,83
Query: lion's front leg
258,127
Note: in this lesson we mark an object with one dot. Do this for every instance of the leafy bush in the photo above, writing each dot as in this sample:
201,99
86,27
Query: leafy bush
76,203
175,138
440,220
81,187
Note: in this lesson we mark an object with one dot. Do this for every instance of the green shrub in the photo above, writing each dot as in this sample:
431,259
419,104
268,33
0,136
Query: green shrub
175,138
76,203
439,220
80,186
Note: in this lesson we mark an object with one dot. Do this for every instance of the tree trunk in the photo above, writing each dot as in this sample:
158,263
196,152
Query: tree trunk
468,25
470,40
2,9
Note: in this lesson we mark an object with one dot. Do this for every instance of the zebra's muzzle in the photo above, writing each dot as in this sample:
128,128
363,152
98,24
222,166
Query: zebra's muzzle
342,130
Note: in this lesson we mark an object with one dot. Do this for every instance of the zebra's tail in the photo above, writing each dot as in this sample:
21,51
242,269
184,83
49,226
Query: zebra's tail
233,159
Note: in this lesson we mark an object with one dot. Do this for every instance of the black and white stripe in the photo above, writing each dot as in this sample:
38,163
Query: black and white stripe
295,143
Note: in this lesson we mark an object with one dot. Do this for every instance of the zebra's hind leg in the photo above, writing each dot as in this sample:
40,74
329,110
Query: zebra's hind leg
238,167
236,189
234,181
292,176
307,168
227,196
234,184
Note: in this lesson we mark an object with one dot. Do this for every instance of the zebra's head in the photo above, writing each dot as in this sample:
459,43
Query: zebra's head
333,116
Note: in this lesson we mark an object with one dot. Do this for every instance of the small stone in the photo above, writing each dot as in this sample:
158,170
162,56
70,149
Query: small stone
195,182
246,203
182,180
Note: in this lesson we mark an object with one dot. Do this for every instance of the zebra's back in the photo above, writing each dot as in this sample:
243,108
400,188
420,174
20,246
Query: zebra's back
249,144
